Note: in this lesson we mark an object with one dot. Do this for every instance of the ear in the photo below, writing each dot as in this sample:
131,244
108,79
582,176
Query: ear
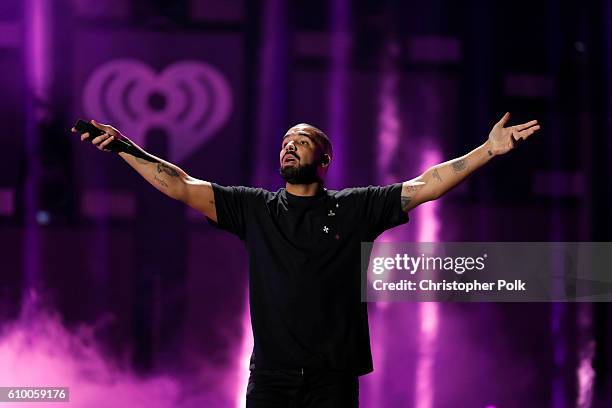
325,160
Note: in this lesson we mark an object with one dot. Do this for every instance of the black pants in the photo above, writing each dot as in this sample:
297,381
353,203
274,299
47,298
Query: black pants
297,388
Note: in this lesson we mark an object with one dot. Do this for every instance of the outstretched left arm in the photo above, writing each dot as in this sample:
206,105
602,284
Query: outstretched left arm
439,179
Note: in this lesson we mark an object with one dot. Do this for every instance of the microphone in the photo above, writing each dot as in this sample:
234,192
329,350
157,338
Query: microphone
116,145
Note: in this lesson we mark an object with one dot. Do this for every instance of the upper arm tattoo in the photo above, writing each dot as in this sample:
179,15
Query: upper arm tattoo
405,202
411,188
408,195
436,175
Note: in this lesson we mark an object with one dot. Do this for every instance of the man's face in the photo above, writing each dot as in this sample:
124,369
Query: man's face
298,148
299,156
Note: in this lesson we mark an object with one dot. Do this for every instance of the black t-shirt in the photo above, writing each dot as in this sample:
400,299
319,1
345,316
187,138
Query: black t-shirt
304,270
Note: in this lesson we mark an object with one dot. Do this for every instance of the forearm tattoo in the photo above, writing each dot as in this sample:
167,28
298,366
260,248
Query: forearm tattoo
160,181
163,168
459,165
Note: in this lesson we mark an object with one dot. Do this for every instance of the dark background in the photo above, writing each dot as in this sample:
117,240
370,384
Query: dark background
137,294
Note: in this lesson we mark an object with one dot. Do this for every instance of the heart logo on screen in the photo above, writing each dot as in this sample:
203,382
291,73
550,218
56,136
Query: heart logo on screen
190,100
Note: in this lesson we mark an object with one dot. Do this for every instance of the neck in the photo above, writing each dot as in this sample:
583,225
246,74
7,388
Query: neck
303,189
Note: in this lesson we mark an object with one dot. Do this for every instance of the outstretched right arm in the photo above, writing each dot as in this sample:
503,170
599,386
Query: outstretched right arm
164,176
176,183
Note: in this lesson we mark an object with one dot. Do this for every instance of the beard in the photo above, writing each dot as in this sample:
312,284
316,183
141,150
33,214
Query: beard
306,174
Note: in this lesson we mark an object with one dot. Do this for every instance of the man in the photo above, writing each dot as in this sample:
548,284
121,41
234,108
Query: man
309,324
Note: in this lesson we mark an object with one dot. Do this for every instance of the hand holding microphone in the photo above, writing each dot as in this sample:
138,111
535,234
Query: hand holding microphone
108,139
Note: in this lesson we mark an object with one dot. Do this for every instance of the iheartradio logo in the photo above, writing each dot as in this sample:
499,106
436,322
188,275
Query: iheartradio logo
190,100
